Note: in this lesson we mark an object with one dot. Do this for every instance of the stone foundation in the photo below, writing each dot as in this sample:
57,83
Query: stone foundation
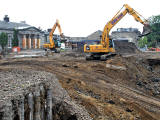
34,95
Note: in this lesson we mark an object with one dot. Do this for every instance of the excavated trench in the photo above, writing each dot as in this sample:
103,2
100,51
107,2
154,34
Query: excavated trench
153,62
33,106
35,95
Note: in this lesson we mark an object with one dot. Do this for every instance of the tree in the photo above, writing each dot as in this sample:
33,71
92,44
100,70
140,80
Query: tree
142,42
154,37
154,19
3,40
15,41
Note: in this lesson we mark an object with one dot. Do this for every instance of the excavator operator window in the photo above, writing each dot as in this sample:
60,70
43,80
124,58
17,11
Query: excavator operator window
110,43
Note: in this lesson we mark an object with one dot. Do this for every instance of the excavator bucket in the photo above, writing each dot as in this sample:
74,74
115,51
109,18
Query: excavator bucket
146,30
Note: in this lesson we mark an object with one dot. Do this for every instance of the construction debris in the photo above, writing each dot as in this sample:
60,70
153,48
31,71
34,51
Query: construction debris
21,88
115,67
123,47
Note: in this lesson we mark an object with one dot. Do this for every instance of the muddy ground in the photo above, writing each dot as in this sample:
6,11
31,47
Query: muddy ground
121,88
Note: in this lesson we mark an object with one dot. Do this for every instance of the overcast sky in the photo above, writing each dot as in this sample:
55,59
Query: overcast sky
77,17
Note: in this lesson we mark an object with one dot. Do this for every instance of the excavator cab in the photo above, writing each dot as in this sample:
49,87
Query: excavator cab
57,41
110,43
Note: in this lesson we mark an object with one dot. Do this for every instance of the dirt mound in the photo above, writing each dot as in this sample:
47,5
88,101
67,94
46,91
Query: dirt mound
125,47
142,74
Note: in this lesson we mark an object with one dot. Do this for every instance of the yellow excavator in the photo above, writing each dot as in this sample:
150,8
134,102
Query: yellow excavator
54,44
105,48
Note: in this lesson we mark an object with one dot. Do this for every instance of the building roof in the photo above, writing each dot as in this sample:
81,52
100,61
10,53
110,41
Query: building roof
13,25
7,25
127,30
84,41
95,36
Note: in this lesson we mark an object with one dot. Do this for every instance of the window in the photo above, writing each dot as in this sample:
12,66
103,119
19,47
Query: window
9,41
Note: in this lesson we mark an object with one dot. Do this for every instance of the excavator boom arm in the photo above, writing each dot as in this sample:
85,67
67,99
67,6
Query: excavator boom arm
116,19
52,31
135,14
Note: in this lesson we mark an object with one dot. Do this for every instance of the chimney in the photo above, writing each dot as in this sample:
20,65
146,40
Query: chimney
6,18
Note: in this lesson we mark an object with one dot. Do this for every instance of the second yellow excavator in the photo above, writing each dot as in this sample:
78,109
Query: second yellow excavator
54,45
105,48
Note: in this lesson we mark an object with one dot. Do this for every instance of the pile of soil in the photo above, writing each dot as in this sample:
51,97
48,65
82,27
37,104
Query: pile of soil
139,73
125,47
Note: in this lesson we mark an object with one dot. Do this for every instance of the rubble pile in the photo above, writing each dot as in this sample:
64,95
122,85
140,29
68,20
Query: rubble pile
33,94
125,47
143,74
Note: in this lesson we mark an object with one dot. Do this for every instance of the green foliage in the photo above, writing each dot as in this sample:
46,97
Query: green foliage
142,42
154,37
15,38
3,40
154,19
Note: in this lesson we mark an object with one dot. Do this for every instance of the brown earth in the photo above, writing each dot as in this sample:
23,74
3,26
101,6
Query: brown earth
125,47
123,88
